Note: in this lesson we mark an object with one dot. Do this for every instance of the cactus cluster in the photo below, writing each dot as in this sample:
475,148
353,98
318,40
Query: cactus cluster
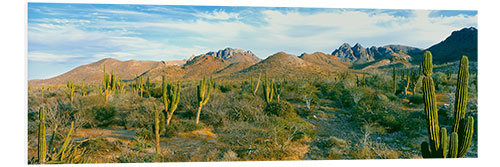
139,85
120,85
109,84
408,80
84,89
202,88
171,95
268,87
68,152
461,135
70,90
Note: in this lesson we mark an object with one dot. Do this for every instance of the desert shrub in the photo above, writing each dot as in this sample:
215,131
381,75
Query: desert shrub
146,133
331,141
294,125
329,147
139,157
281,109
181,126
229,155
440,80
90,101
363,152
155,92
104,115
416,99
226,87
307,113
245,110
101,144
379,81
140,143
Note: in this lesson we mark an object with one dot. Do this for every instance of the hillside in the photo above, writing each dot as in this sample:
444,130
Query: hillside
93,72
360,55
230,62
459,43
220,63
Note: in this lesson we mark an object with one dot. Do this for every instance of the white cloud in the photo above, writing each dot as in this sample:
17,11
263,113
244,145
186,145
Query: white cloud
49,57
217,15
291,31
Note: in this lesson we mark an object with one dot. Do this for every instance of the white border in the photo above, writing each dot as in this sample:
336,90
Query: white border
14,75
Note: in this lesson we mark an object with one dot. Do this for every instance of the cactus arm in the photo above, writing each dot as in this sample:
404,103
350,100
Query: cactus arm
461,93
427,64
453,145
443,139
465,136
62,151
42,145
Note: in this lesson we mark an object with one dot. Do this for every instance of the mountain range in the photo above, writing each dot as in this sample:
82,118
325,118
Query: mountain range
231,63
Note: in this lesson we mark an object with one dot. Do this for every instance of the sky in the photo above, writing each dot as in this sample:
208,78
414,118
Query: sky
63,36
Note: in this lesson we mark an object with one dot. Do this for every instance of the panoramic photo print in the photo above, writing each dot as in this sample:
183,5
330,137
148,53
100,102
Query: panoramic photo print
130,83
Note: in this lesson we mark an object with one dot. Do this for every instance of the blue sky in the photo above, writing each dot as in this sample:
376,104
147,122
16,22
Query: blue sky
64,36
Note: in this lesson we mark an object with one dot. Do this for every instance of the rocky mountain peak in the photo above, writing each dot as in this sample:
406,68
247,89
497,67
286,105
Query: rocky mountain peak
229,53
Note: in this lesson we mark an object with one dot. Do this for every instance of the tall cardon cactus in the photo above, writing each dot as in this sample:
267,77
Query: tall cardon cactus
461,135
42,144
171,95
268,87
203,88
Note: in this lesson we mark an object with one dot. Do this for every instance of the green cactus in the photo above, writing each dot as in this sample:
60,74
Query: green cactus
108,84
278,89
148,84
157,130
138,85
407,84
268,87
42,145
255,88
70,90
120,85
202,98
171,95
69,152
43,87
84,89
461,93
461,135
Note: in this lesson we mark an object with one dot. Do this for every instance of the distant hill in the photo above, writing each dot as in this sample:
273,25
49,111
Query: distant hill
222,62
323,59
459,43
233,63
235,55
93,72
282,64
360,55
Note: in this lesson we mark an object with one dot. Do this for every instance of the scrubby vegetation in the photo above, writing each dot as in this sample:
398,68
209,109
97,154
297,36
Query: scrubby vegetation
351,115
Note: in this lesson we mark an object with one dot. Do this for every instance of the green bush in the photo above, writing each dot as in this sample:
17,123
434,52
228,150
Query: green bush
104,115
281,109
416,99
180,126
225,88
100,144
